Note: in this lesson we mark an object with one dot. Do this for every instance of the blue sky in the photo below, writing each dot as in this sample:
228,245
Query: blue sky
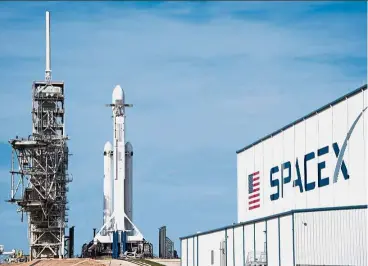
205,79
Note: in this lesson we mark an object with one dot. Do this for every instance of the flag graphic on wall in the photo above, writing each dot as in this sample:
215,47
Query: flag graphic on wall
254,200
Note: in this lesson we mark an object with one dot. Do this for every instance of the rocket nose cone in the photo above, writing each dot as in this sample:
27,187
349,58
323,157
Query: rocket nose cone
117,94
108,146
128,147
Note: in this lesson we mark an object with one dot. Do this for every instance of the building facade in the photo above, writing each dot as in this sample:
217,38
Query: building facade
302,195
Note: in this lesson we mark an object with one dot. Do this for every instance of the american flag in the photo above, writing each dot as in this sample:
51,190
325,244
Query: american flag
254,200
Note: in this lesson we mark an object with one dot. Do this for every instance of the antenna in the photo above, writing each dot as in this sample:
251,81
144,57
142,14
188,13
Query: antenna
48,48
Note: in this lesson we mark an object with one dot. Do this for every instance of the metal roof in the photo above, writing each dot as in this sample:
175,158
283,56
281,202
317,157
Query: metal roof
291,212
342,98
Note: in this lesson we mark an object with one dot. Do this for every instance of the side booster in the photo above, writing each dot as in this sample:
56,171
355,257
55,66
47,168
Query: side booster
128,186
107,201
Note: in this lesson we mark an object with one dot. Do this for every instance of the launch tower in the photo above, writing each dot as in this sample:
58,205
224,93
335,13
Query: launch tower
39,173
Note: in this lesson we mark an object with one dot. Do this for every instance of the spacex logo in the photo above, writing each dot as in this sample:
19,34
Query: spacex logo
301,180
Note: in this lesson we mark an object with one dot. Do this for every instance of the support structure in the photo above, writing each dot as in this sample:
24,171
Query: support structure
39,173
165,245
71,243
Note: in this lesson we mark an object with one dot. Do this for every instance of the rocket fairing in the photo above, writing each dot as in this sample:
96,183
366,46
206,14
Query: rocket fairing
108,160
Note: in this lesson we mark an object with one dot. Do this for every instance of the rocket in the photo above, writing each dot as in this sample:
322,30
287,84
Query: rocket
118,177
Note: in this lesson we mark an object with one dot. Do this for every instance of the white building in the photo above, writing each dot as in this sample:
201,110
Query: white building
302,195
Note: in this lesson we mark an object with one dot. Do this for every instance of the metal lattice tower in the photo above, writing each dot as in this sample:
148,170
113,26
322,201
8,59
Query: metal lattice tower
39,174
169,246
166,246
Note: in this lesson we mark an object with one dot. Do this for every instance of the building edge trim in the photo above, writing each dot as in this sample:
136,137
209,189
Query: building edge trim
226,246
270,217
243,247
234,247
254,239
279,239
193,252
187,252
293,230
197,252
266,240
181,254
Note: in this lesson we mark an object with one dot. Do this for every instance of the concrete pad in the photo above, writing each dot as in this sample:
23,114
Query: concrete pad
116,263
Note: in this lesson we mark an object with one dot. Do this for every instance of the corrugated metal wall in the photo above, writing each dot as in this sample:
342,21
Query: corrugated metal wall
273,242
238,245
286,240
331,238
334,237
184,252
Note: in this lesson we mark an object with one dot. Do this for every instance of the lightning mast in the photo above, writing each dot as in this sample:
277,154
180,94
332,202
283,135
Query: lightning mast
48,49
39,173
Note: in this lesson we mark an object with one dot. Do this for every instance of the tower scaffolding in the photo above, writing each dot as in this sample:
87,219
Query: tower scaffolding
39,168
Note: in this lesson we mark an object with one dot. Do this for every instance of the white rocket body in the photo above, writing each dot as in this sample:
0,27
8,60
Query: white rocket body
118,181
108,160
119,157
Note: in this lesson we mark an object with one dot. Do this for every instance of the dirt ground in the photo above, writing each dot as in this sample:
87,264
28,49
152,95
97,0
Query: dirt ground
64,262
